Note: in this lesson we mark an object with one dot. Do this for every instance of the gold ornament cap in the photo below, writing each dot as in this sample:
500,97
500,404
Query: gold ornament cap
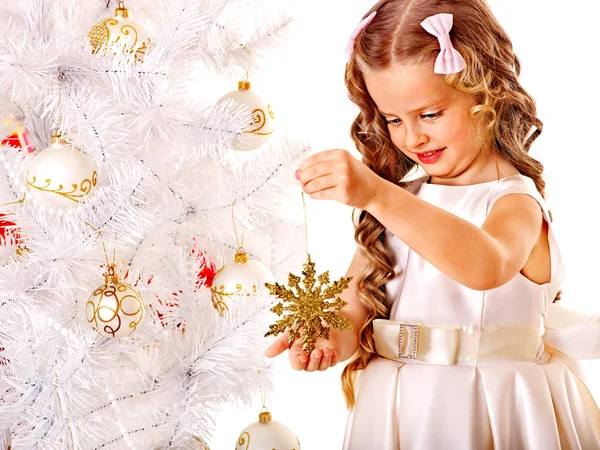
241,257
265,417
121,11
58,137
111,277
244,85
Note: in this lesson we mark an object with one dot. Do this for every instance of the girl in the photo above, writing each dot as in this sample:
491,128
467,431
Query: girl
454,333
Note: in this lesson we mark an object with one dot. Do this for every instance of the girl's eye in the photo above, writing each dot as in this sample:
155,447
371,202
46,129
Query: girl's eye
431,116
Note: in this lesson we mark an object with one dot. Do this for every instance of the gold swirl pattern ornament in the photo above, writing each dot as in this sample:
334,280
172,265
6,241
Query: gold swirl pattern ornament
262,124
120,34
60,176
237,282
267,434
115,309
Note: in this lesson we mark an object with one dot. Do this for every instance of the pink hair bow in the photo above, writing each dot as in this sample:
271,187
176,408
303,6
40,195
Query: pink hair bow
359,29
449,60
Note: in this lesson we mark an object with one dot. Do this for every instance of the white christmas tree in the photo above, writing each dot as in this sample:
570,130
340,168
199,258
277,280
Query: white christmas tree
141,111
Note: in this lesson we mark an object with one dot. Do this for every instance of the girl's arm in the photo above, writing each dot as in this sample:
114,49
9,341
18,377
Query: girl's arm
493,254
342,344
479,258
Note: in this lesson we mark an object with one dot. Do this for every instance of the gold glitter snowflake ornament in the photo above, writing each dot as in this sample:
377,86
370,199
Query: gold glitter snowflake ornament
309,309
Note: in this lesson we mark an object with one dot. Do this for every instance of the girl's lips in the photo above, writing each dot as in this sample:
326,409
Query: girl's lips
429,159
429,151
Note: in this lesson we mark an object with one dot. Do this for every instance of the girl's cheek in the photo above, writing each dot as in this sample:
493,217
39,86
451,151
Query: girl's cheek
396,138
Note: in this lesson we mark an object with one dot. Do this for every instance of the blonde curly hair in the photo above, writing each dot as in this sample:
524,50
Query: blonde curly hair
505,110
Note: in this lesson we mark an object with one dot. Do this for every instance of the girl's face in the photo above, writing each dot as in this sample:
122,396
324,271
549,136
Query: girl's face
424,114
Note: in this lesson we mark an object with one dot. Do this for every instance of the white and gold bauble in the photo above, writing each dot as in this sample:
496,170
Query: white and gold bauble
115,309
120,34
267,434
238,282
60,176
262,124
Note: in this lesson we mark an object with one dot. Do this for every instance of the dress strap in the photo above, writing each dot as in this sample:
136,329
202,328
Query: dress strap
521,184
517,184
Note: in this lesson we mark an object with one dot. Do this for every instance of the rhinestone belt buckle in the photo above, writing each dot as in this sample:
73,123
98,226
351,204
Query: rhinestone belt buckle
415,341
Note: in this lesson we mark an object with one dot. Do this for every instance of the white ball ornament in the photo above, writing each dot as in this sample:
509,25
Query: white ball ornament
267,434
120,34
60,176
262,126
115,309
238,282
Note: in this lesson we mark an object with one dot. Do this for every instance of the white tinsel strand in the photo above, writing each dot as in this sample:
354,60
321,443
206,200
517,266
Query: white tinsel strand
28,67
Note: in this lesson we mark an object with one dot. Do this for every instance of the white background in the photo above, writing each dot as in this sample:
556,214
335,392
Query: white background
557,44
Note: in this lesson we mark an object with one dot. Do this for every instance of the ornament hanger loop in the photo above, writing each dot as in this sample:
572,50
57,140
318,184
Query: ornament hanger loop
60,106
240,246
250,54
244,47
263,399
305,226
108,264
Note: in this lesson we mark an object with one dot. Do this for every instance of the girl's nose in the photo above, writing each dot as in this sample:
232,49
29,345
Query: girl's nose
415,137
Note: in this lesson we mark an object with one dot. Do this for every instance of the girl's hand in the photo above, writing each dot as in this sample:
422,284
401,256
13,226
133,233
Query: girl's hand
325,355
337,175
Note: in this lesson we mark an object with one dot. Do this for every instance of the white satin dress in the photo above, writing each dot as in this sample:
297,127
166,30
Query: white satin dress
539,404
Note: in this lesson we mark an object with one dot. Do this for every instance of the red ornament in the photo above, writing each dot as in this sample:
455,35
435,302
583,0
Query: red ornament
18,139
8,232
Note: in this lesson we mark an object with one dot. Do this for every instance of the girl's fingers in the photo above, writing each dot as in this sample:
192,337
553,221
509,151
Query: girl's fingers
326,359
327,194
320,359
279,346
315,360
298,362
298,357
334,358
320,184
315,172
320,157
